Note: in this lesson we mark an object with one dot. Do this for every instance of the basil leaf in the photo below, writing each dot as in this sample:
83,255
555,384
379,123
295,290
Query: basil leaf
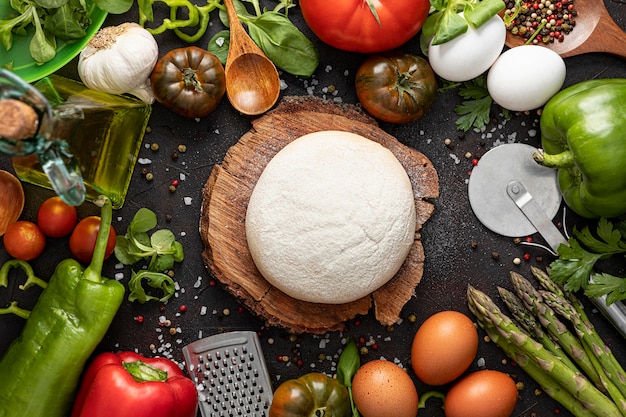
218,45
451,25
50,4
284,44
483,11
349,363
67,23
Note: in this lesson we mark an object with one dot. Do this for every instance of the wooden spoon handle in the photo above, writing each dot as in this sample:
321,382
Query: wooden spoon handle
240,41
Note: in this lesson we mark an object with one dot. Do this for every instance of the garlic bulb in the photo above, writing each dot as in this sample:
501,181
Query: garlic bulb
119,59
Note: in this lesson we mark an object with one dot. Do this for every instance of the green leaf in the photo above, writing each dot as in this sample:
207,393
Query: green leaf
287,47
114,6
349,363
474,113
123,250
154,280
610,239
218,45
162,240
143,220
479,13
450,26
605,284
573,268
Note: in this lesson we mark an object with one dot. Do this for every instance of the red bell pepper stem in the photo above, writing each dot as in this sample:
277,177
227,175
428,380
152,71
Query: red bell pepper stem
142,372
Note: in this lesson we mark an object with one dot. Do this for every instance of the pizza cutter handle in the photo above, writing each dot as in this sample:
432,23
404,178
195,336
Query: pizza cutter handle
616,312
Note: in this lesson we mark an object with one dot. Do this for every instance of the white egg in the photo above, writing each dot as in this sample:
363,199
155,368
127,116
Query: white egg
470,54
515,89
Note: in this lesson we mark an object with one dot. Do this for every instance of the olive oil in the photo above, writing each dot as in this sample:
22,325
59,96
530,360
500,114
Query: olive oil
104,133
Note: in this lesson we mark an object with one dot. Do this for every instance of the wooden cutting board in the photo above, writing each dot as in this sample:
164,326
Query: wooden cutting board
225,200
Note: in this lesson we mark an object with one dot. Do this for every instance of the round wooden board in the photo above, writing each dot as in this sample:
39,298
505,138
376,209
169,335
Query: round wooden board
225,200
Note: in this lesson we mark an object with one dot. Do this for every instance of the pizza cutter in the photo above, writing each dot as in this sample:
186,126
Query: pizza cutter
514,196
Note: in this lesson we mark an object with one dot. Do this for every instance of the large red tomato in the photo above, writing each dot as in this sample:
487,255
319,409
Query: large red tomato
350,25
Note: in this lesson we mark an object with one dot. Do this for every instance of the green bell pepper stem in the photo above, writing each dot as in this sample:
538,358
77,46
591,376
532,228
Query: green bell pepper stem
31,280
560,160
142,372
93,272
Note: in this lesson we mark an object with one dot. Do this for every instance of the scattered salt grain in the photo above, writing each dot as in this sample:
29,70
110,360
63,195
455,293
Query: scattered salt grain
480,362
144,161
119,276
455,158
187,201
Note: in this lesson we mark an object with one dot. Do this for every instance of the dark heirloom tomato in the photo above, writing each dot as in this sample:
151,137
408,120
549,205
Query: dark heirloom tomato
310,395
396,87
189,81
350,25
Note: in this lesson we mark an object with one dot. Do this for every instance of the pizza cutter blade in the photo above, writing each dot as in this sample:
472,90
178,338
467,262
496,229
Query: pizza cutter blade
514,196
491,182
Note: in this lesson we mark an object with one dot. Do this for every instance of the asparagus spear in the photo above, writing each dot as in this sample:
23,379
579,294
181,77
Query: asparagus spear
547,317
528,322
611,372
548,384
553,370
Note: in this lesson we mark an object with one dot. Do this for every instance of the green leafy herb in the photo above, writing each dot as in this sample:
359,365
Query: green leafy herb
349,363
451,18
576,261
156,280
161,248
475,109
282,42
66,20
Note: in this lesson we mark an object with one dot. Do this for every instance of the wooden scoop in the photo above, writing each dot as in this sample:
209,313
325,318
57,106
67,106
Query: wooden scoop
11,200
595,31
252,82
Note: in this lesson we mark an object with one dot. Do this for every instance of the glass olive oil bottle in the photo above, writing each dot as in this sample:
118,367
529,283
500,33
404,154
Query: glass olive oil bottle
104,133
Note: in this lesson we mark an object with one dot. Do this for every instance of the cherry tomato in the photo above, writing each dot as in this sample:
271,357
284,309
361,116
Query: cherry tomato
56,218
189,81
350,25
83,239
485,393
396,87
24,240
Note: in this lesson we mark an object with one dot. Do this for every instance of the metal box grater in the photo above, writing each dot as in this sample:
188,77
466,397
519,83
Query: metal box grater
230,373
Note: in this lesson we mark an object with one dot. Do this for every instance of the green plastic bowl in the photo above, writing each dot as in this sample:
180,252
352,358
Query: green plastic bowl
23,64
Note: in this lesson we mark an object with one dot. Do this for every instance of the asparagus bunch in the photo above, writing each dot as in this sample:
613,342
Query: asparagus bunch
574,367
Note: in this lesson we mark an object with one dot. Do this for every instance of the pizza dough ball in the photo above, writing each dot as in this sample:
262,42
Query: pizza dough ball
332,218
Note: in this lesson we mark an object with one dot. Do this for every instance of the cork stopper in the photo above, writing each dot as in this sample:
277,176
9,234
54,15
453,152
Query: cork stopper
18,120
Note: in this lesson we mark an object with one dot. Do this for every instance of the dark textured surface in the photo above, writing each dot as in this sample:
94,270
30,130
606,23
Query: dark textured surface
459,250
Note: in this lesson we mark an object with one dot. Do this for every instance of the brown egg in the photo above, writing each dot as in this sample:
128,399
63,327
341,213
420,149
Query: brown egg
485,393
383,389
444,347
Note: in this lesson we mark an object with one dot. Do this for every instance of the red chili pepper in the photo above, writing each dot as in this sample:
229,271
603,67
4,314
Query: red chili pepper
129,385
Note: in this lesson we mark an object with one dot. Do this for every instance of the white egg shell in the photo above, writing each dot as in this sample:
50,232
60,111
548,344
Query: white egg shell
471,54
517,92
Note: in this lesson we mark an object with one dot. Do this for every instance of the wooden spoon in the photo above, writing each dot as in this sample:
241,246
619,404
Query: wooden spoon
252,82
11,200
595,31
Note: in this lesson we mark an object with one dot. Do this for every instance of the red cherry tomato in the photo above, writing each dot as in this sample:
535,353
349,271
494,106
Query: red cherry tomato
83,239
24,240
56,218
350,25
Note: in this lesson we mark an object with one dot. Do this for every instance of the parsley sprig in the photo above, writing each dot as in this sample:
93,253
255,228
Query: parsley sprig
577,260
476,108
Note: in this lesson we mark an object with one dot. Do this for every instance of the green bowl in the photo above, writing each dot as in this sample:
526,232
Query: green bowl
23,64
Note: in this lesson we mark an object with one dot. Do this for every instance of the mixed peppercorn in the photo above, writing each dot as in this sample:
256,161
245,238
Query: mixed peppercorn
543,21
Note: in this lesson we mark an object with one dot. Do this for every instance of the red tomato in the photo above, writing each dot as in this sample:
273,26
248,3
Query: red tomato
56,218
350,25
484,393
24,240
83,239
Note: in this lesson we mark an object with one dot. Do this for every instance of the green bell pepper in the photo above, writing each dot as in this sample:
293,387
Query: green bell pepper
40,372
582,135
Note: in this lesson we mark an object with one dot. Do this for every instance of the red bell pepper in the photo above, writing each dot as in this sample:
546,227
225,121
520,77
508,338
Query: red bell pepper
128,385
